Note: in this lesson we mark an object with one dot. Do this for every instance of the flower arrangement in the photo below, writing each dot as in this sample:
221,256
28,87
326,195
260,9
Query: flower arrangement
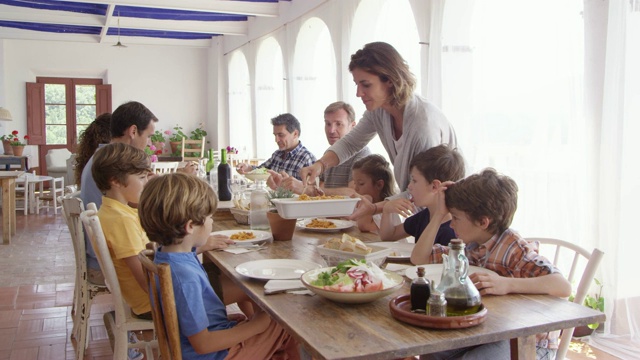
231,150
178,134
15,141
153,152
158,136
198,133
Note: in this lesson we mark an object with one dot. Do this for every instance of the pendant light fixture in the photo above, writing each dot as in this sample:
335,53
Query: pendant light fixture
119,44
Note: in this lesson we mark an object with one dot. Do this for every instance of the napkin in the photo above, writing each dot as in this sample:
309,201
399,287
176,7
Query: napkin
397,268
294,285
237,250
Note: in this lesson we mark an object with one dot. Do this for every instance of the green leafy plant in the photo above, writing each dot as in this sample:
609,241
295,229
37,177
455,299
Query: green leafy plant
158,136
198,133
178,134
280,193
596,302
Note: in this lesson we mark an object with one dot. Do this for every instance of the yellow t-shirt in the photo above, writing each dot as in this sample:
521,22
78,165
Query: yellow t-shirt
125,238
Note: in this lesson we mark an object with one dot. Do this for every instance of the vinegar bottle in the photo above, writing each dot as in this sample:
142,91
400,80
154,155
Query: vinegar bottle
224,177
420,291
461,294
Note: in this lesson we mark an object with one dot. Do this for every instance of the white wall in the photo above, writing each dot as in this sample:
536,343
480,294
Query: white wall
171,81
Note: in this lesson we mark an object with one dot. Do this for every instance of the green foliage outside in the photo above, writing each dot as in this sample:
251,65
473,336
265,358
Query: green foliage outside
56,111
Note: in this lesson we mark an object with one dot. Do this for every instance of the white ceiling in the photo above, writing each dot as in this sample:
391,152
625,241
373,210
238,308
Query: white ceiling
158,22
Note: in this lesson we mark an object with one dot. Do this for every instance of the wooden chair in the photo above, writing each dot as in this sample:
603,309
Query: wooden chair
22,195
123,322
192,150
580,259
49,199
164,167
85,291
163,305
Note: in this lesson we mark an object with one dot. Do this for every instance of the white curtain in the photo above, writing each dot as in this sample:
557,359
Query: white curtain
619,179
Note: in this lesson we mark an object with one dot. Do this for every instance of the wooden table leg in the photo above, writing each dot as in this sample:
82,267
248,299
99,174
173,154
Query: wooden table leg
7,210
523,348
12,193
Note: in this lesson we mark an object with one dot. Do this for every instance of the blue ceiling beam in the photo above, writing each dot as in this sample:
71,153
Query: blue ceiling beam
68,29
84,8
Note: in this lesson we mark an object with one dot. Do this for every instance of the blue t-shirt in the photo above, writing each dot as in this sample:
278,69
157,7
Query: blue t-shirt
197,305
89,193
415,225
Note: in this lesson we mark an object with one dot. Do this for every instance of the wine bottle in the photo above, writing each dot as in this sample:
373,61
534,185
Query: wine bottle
210,163
224,177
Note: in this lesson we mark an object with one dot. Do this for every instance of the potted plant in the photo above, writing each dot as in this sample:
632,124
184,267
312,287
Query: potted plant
16,145
6,143
158,139
281,228
596,302
198,134
175,140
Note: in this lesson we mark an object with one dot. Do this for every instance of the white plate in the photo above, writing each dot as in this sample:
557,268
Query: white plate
260,235
257,177
279,269
434,271
340,225
401,251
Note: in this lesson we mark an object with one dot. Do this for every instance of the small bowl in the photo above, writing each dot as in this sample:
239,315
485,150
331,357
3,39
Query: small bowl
257,177
350,297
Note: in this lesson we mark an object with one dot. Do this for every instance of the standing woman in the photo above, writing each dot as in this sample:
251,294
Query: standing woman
406,123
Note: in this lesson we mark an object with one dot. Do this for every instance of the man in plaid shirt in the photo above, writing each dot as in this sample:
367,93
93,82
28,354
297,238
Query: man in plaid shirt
291,156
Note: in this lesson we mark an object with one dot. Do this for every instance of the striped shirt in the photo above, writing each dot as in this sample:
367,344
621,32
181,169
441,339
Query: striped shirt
340,176
510,255
290,161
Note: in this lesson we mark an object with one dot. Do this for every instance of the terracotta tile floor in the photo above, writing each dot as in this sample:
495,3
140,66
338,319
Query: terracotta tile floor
36,293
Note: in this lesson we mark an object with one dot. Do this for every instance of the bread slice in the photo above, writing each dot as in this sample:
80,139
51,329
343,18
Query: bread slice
348,244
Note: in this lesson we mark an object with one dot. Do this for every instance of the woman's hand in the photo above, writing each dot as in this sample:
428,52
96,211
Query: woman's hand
243,168
310,173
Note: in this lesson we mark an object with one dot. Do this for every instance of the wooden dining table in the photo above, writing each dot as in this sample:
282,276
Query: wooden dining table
8,185
330,330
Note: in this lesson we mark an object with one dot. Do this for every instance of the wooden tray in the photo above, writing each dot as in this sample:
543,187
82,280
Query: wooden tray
400,308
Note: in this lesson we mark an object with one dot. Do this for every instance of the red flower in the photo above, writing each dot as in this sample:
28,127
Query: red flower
26,137
16,139
15,132
158,152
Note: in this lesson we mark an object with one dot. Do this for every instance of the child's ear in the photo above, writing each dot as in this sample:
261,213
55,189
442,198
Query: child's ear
484,222
379,184
188,227
435,184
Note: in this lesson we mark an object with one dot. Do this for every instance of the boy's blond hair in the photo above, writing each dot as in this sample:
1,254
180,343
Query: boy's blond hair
169,201
115,162
485,194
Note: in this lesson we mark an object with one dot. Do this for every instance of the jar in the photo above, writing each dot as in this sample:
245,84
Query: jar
461,294
437,304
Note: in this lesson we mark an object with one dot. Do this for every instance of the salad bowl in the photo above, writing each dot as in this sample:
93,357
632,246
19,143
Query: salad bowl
257,175
351,297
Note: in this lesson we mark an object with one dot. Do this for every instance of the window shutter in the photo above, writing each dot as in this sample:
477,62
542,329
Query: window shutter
35,113
103,99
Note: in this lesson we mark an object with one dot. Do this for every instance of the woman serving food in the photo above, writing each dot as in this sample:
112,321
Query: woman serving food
406,123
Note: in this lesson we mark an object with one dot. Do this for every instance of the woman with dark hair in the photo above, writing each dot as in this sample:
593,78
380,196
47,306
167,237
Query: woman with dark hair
98,132
406,123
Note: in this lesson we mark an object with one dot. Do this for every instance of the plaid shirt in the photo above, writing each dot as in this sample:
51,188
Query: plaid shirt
510,255
290,161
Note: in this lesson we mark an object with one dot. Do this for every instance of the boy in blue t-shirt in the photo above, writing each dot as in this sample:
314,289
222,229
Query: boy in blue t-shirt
428,170
176,211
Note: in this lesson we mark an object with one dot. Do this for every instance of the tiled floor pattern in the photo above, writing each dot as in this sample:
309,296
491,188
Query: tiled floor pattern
36,293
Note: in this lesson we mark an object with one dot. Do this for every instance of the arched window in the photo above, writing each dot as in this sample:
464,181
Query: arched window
270,94
313,83
240,135
391,21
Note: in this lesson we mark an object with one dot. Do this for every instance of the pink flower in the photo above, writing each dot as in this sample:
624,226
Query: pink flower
154,158
152,147
168,132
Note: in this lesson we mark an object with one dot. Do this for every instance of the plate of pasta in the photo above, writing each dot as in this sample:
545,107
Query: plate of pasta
245,236
323,225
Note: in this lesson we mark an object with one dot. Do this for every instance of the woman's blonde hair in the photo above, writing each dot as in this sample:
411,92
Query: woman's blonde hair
169,201
383,60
